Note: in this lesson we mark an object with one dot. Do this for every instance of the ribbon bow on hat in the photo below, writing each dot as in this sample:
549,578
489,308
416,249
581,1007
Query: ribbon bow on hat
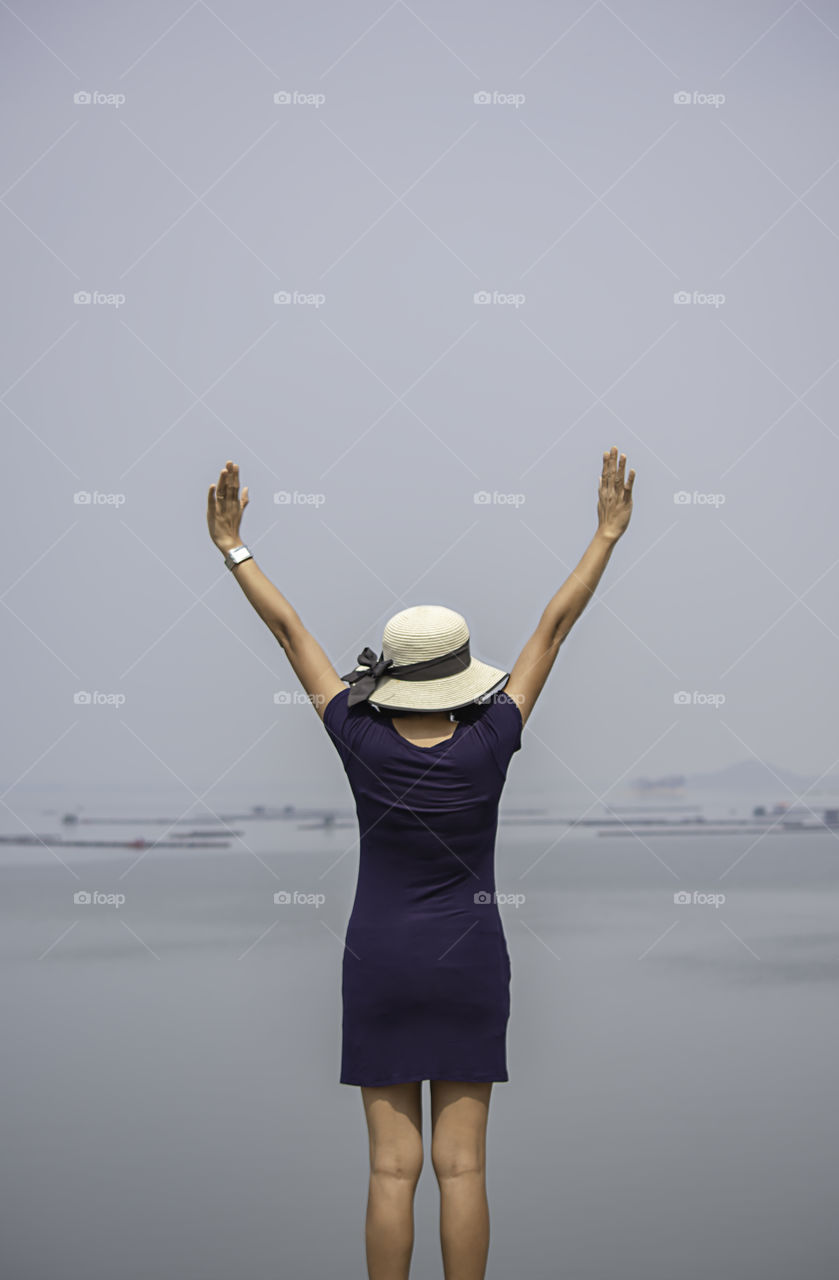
364,682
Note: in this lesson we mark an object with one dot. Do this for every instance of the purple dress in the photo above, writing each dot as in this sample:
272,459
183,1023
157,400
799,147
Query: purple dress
426,973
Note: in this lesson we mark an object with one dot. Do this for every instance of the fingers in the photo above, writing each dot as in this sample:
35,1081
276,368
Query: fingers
228,483
609,467
614,472
604,477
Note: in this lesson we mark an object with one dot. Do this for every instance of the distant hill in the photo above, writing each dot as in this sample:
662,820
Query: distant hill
754,775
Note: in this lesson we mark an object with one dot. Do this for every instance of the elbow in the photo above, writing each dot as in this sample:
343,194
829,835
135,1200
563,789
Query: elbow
289,633
561,631
281,635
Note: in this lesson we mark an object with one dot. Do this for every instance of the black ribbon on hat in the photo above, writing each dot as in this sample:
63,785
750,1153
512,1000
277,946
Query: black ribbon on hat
364,682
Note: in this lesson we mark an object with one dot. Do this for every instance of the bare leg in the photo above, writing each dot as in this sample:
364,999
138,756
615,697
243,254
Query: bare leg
394,1123
459,1113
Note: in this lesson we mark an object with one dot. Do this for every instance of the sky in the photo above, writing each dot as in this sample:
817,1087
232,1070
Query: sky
414,269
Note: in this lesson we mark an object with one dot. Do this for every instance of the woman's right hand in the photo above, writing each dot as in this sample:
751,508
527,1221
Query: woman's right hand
225,509
614,498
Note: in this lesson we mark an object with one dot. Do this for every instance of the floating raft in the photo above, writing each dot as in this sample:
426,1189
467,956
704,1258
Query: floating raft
56,842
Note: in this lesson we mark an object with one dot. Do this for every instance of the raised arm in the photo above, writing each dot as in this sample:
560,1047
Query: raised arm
309,662
534,663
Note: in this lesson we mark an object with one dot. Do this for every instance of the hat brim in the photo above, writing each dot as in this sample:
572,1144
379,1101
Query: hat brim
447,694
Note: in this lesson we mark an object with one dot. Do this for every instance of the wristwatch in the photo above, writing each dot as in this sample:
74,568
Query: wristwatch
236,556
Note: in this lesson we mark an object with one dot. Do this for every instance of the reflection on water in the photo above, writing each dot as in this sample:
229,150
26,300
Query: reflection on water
171,1064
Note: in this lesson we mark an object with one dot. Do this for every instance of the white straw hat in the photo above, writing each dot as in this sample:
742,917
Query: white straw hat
425,664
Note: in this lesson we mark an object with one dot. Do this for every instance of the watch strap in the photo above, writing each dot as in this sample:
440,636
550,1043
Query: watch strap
237,555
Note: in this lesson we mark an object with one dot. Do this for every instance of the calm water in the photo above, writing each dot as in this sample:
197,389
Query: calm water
170,1066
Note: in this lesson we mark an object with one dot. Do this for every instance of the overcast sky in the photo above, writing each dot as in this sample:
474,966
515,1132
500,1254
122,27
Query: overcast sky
377,198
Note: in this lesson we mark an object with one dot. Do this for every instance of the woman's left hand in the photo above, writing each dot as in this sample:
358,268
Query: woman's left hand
614,497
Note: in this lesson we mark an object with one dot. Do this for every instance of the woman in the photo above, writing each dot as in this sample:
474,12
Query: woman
426,973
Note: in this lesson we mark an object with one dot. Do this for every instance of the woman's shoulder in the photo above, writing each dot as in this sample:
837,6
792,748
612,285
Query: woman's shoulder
499,716
477,711
338,711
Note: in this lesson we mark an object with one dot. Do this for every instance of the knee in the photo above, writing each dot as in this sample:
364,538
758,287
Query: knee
397,1164
453,1161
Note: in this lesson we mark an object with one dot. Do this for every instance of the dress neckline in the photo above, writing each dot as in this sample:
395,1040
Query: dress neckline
434,745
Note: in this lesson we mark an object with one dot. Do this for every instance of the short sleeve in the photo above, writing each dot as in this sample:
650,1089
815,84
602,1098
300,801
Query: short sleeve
502,724
336,721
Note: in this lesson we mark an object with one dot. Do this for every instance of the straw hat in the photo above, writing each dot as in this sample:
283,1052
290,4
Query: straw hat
425,664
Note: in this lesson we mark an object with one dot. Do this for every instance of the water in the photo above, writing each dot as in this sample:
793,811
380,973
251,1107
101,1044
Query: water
170,1065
